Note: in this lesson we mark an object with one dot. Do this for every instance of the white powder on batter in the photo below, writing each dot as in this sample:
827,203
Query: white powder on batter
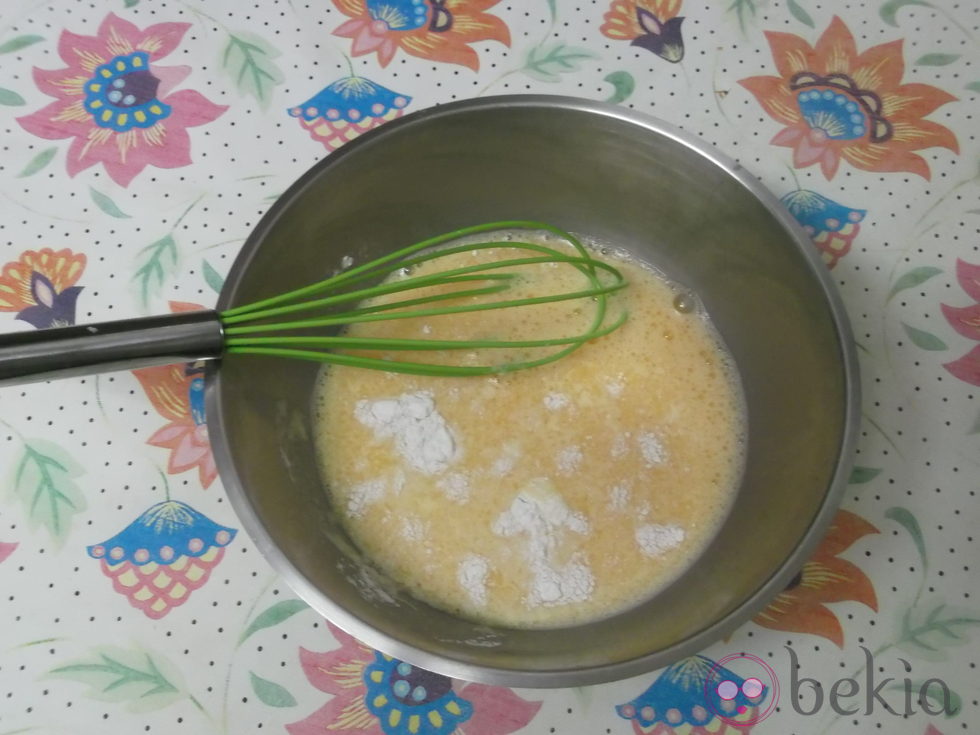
506,462
654,539
620,446
540,513
362,495
471,573
421,434
615,387
619,497
652,449
412,529
556,401
568,460
456,486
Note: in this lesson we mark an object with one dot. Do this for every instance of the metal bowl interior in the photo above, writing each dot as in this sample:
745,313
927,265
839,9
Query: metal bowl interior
591,169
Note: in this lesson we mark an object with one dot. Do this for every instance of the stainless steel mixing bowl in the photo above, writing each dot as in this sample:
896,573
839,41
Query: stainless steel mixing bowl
592,169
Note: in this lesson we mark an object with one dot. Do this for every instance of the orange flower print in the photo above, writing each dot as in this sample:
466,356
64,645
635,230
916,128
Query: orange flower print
650,24
440,30
801,608
40,286
837,103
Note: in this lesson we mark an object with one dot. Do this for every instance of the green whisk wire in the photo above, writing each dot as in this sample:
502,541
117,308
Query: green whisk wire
397,255
351,318
244,336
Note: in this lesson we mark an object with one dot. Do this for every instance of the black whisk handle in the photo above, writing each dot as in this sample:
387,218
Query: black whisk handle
62,352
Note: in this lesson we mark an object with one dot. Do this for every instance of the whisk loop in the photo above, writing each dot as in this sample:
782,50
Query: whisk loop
247,328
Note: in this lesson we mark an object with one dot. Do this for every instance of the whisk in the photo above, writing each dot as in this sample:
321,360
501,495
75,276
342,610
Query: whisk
330,305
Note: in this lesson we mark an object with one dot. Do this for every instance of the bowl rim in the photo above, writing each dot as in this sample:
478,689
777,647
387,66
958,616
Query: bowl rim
745,610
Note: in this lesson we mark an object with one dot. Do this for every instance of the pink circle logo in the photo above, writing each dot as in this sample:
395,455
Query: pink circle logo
736,701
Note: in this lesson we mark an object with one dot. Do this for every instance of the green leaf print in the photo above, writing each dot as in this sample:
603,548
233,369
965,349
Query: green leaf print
107,205
924,340
936,59
270,693
546,62
913,278
742,9
973,86
10,98
248,60
214,279
908,521
16,44
861,475
141,680
44,482
931,636
273,616
39,161
798,12
890,8
159,262
623,86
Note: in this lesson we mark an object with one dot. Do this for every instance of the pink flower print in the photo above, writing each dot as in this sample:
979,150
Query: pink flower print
117,103
374,694
966,321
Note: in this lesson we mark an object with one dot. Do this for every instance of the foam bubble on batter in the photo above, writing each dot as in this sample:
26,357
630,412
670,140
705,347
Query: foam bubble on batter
556,401
413,529
616,386
620,447
507,461
456,486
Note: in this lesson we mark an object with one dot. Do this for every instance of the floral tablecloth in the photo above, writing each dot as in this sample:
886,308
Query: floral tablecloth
142,139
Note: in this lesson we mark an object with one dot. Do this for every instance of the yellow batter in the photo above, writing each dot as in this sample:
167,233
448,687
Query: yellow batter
550,496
